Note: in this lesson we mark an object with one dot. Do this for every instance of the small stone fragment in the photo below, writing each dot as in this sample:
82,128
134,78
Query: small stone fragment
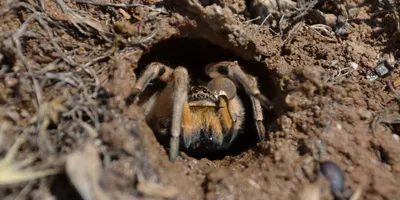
365,114
396,137
124,13
335,176
383,69
353,65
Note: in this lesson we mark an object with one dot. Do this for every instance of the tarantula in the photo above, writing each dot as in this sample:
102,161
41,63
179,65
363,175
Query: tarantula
207,116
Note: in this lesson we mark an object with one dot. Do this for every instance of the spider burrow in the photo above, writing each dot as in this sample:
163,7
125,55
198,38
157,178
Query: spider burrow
207,116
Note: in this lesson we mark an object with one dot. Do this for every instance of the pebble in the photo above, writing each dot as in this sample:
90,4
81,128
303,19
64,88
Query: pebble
339,126
10,81
396,137
334,174
365,114
353,65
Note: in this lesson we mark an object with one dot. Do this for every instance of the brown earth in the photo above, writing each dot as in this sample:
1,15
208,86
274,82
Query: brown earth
67,68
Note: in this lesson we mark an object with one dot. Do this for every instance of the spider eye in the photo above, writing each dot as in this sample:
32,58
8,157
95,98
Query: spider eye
204,90
196,90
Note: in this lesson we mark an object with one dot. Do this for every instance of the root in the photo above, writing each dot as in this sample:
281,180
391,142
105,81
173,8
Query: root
11,174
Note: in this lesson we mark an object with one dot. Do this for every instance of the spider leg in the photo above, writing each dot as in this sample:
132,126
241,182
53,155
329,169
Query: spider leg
227,118
233,71
181,82
216,130
189,126
153,70
223,109
259,118
180,79
230,108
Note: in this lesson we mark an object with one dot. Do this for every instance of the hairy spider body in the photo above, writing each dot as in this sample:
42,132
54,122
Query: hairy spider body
210,122
206,117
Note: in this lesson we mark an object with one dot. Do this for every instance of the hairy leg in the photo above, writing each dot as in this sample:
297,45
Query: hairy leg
153,70
238,114
225,115
181,82
190,125
258,118
233,70
216,130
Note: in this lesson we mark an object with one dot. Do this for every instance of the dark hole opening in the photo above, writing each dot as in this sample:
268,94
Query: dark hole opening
302,148
62,188
194,54
383,155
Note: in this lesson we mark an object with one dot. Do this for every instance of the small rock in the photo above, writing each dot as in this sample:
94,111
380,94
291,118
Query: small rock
10,81
383,69
335,175
353,65
339,126
396,137
98,142
371,77
365,114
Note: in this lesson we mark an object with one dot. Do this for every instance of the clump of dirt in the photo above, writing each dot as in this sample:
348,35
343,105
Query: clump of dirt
67,69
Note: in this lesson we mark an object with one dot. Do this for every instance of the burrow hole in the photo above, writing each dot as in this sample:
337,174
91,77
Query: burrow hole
194,54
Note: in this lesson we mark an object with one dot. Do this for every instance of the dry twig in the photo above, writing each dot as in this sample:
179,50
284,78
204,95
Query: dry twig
86,175
77,20
18,51
11,174
41,18
121,5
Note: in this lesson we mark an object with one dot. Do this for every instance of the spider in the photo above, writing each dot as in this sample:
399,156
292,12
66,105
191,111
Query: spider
202,116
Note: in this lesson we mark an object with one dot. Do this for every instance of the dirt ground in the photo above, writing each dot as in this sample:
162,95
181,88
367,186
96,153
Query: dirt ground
68,67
